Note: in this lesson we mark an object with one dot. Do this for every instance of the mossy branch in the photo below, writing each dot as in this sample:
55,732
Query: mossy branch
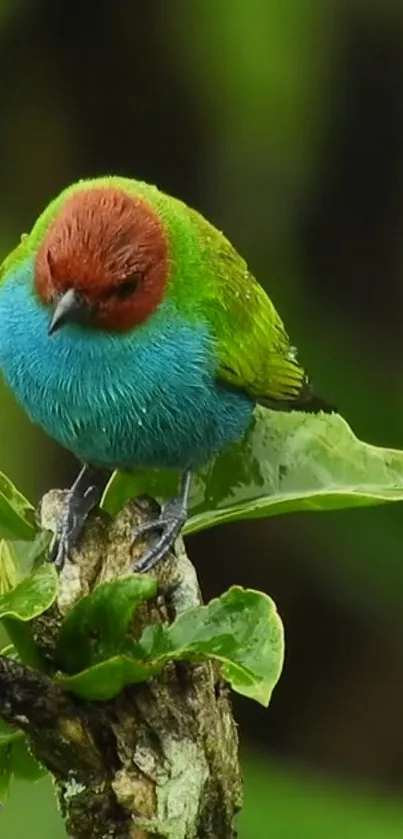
161,759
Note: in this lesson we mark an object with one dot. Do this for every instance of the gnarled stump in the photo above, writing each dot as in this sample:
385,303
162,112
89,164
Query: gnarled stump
161,759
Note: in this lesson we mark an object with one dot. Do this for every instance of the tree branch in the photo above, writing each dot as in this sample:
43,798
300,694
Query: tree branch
161,759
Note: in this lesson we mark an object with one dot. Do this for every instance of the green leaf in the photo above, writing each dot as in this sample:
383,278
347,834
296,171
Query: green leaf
19,558
23,764
30,554
32,596
95,628
106,680
8,567
8,738
16,513
19,632
23,644
288,462
241,630
16,759
8,735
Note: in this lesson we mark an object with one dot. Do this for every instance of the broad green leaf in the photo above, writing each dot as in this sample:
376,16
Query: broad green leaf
32,596
95,628
288,462
16,513
241,630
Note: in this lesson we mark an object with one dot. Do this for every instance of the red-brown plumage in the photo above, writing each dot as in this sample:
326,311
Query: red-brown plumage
100,240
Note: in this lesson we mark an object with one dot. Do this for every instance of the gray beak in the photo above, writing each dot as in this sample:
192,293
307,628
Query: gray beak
70,308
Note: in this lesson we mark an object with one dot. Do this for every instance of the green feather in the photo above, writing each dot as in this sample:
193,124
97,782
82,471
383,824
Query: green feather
254,350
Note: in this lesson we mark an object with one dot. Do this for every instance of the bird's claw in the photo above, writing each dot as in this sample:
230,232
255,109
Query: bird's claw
169,524
71,524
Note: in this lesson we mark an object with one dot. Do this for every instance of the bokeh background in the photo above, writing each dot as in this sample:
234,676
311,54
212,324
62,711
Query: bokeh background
282,121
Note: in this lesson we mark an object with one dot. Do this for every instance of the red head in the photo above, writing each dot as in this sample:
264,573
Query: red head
103,260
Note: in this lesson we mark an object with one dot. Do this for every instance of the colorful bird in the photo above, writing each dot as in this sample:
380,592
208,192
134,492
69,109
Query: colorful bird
134,334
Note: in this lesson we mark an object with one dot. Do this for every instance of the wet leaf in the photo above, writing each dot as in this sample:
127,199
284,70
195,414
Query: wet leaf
288,462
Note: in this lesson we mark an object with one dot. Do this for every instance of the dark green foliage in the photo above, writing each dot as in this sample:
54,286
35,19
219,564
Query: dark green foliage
241,630
97,627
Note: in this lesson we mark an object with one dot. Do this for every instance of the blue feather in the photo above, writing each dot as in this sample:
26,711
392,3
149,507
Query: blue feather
148,397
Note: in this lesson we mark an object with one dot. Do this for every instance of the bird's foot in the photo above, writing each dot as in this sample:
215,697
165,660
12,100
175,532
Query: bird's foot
168,525
78,505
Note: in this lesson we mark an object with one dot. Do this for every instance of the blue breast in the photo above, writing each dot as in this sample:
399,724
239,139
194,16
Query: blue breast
145,398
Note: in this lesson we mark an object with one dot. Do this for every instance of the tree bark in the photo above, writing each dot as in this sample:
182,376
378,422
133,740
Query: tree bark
161,759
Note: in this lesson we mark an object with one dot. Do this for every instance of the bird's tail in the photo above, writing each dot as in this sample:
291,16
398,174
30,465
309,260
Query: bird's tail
308,401
305,400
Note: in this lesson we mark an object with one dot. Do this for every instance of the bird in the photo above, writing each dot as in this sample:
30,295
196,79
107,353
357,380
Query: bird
133,332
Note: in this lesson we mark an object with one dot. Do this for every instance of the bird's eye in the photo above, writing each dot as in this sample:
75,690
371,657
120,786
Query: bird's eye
125,290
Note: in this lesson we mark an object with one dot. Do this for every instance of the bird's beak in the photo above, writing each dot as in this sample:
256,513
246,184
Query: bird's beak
71,307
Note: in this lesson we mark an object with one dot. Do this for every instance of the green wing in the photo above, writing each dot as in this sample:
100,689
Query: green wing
254,350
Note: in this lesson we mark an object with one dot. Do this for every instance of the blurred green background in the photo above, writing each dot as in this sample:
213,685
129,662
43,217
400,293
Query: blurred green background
282,121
